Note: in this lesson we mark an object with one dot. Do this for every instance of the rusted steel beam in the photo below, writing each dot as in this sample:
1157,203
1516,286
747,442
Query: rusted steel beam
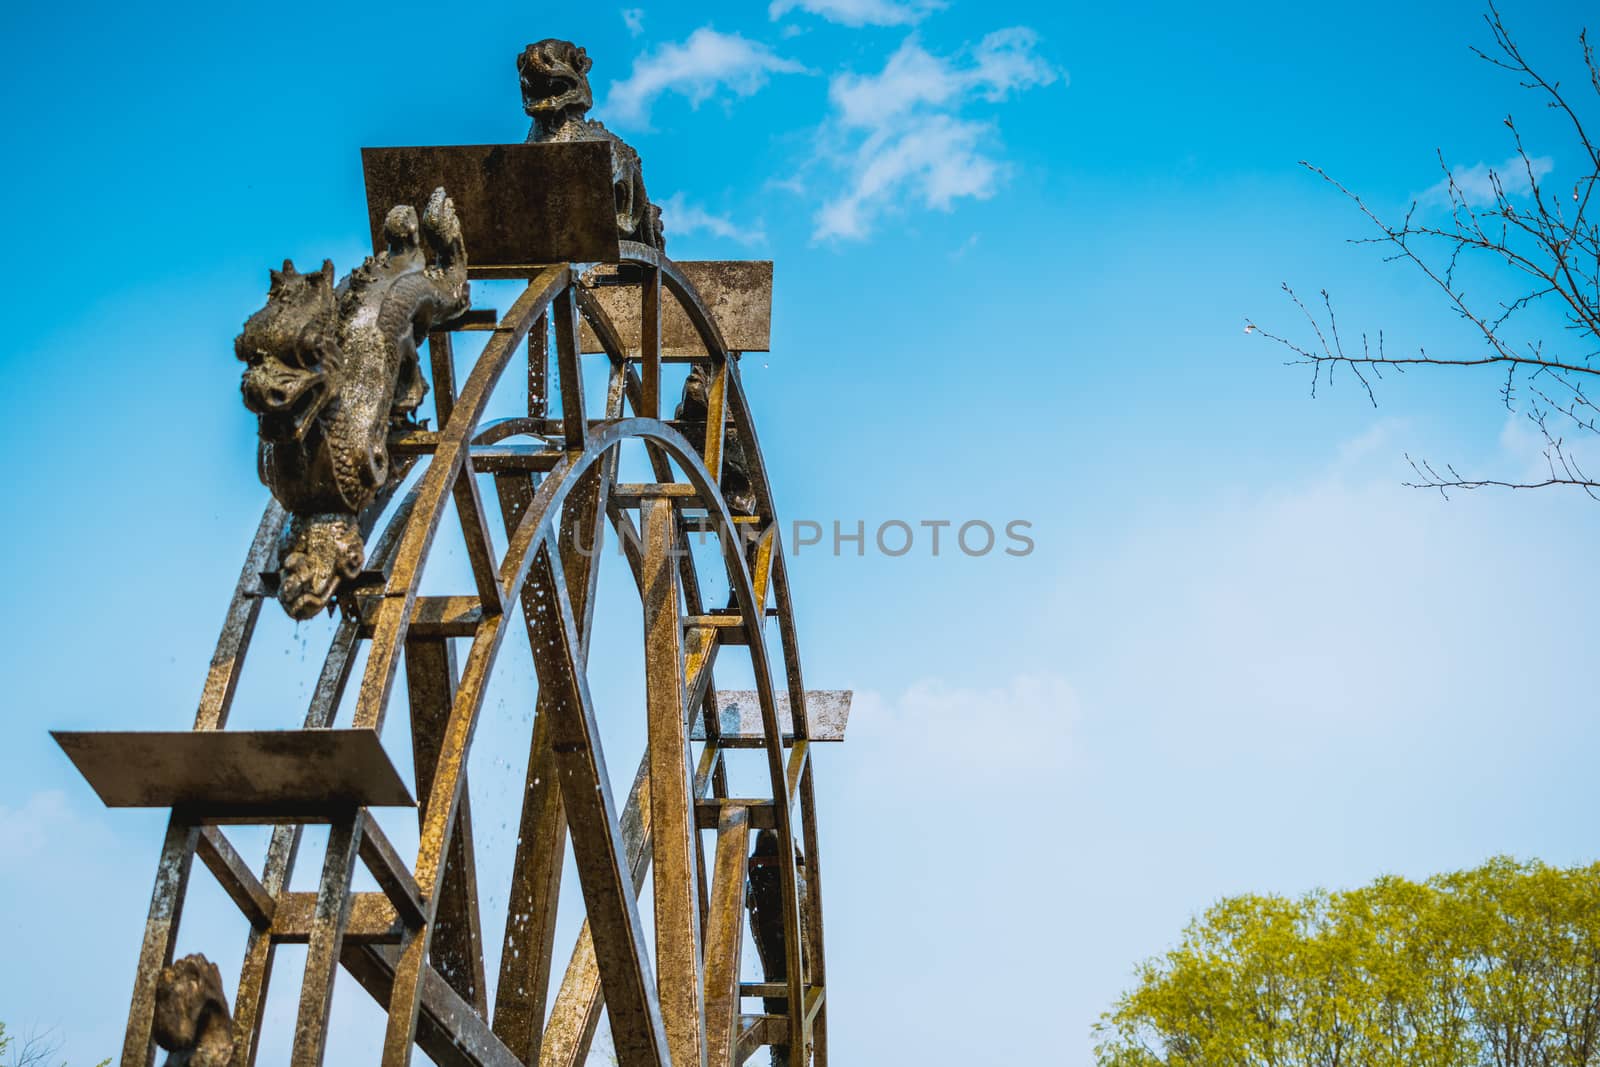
744,595
740,410
329,918
469,508
576,1013
449,1030
431,617
798,762
227,661
756,1031
256,971
177,850
394,614
811,919
569,370
650,343
373,920
539,368
637,1031
485,457
457,950
679,968
725,935
392,875
529,942
235,877
160,934
528,948
762,814
628,494
716,418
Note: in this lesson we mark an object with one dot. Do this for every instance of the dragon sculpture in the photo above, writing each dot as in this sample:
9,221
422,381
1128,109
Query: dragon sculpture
191,1018
330,370
556,95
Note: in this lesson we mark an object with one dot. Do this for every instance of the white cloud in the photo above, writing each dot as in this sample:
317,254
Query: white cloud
694,69
633,18
26,830
1476,184
860,12
679,216
931,726
903,138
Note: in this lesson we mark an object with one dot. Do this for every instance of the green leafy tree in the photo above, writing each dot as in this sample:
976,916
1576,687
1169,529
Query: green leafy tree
1498,966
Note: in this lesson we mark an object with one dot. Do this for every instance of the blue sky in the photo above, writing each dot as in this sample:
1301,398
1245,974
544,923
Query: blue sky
1016,247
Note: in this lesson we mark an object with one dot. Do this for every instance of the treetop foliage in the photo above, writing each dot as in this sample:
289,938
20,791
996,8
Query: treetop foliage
1498,966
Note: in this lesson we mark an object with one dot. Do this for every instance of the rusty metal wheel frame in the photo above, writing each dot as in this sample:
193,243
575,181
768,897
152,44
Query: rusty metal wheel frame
416,945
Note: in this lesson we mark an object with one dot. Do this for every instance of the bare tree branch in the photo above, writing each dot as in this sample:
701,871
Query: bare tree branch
1538,235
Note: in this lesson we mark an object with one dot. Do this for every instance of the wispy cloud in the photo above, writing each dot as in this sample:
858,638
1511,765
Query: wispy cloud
26,830
679,216
929,726
904,139
633,18
1476,184
696,69
860,12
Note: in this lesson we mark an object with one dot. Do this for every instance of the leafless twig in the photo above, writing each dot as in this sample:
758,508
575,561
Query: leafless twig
1543,238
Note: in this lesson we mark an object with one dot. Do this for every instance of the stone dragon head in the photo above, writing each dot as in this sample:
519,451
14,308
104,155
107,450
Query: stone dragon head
555,81
290,349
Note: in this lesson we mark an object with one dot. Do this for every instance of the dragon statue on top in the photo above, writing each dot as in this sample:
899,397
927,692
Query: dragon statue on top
330,370
556,95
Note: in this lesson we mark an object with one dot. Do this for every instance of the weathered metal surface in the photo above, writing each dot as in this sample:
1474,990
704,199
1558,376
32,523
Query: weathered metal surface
739,715
725,935
227,661
393,617
457,949
330,918
260,948
327,371
738,293
372,920
636,1026
160,934
555,491
392,875
237,773
520,204
449,1029
770,931
469,508
556,95
236,877
756,1031
527,953
679,966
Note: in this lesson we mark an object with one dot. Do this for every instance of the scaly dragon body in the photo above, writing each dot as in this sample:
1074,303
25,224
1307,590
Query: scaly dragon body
331,369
